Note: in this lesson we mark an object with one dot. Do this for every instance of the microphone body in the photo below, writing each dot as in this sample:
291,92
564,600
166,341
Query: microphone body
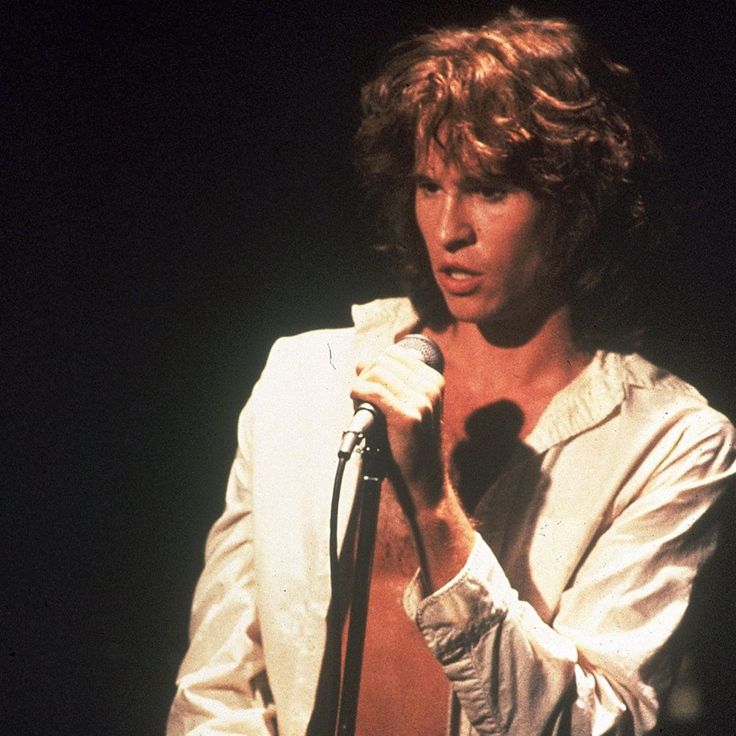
366,415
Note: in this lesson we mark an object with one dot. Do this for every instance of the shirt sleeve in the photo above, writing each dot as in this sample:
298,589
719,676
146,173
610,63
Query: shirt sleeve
607,658
221,685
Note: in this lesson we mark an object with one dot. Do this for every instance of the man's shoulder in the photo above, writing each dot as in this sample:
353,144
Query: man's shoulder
376,324
311,345
638,372
662,397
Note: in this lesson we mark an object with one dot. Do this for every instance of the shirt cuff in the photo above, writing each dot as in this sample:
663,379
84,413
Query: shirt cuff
477,597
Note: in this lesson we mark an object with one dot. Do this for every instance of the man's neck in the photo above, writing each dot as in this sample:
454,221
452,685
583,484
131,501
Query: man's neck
547,358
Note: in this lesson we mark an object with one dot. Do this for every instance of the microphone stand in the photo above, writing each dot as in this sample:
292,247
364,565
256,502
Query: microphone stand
369,495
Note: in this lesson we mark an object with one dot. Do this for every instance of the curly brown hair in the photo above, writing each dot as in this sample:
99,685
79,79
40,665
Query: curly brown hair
530,100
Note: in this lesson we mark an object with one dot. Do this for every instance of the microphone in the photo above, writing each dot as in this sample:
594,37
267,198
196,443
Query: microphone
366,415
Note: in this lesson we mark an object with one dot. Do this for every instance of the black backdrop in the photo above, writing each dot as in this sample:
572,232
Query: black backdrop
179,193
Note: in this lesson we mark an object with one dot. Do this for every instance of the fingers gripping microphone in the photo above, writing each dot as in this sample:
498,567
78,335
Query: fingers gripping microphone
366,415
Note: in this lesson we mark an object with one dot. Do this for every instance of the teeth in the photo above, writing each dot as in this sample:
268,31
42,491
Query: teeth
461,275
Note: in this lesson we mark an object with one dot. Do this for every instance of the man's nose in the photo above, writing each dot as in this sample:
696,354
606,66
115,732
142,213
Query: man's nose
456,228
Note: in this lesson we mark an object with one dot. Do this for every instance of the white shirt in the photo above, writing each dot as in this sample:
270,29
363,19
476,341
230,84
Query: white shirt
582,569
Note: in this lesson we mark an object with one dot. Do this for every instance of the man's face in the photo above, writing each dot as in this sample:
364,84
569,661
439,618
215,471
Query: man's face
486,243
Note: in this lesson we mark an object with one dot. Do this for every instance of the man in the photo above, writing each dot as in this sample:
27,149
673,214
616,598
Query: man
560,497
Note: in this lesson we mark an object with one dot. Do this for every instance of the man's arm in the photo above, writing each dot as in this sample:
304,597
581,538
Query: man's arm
409,394
217,685
606,660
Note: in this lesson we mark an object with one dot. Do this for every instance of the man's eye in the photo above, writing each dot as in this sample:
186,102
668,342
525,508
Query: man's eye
492,193
426,185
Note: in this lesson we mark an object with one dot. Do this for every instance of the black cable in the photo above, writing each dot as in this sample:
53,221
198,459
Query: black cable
334,624
334,508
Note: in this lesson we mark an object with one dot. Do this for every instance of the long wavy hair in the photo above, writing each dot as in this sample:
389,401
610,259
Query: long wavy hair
530,100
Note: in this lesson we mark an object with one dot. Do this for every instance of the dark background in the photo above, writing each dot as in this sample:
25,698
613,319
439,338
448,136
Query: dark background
178,192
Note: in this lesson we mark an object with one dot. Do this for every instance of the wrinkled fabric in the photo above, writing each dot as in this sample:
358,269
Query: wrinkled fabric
562,619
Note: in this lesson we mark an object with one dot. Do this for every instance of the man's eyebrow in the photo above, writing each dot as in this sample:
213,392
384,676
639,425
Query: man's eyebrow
466,183
473,182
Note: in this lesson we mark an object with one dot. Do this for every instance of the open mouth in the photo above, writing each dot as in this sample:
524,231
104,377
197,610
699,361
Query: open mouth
457,274
457,281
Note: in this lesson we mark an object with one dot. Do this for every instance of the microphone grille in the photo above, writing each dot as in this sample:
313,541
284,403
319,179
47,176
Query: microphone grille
427,350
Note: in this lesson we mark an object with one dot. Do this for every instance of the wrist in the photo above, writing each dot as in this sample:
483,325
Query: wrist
447,538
